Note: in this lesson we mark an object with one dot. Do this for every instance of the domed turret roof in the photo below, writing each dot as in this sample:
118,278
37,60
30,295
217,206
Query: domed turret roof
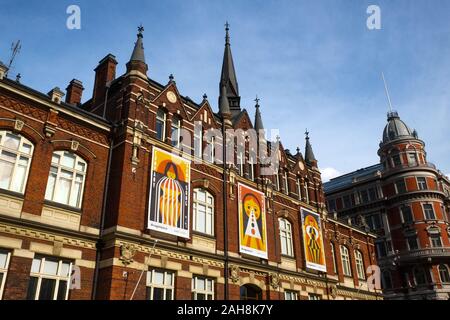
396,129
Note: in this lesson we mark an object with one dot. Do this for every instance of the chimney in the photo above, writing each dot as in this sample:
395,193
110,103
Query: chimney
104,73
56,95
3,70
74,92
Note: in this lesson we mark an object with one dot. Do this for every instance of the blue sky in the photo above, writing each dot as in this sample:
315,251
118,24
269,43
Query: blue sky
314,64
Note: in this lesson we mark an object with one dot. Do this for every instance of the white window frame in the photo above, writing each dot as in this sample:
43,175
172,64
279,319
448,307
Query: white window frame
213,149
277,176
440,240
286,182
314,296
286,237
4,271
345,260
162,119
206,292
419,184
198,143
74,171
290,295
207,205
251,167
165,286
41,275
410,156
306,187
425,213
299,189
19,153
175,125
440,275
359,261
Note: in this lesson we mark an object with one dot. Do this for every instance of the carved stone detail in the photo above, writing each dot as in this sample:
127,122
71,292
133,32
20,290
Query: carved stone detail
274,280
127,252
234,273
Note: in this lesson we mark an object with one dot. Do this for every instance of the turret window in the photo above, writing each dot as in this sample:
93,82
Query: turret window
422,183
400,186
429,211
407,215
436,241
396,160
443,273
412,242
412,159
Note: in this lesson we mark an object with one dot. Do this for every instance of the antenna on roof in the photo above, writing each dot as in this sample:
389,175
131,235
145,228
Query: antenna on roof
15,49
387,92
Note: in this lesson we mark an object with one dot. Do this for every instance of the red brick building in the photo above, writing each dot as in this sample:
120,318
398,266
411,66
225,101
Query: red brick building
405,200
74,198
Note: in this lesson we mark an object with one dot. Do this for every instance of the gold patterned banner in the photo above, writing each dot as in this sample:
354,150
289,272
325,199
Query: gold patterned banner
312,240
252,222
169,194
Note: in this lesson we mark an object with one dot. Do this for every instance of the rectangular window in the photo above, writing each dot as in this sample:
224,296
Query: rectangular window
429,211
299,189
198,142
160,285
407,214
312,296
347,201
203,212
381,249
331,205
240,162
397,161
202,288
412,159
175,134
290,295
345,259
4,264
333,256
286,183
400,186
422,183
373,195
412,242
359,261
251,167
49,279
374,222
364,196
436,241
161,125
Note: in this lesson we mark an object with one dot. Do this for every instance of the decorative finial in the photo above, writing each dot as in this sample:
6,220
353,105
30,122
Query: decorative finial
227,36
18,77
140,29
278,138
205,96
298,150
257,101
171,78
307,134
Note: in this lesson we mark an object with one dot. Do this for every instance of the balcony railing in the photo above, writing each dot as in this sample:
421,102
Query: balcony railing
425,253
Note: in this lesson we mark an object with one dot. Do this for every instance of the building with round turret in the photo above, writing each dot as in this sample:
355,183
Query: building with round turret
405,200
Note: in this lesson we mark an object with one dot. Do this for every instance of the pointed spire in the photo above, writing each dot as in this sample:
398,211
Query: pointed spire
138,51
224,107
258,119
228,74
309,154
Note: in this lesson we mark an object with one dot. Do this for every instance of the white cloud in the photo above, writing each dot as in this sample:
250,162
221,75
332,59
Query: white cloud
329,173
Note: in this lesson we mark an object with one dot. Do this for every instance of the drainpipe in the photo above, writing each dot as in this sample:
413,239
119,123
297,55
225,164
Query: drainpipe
99,245
225,222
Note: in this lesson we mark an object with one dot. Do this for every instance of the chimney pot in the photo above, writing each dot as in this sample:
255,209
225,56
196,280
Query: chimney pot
104,73
74,92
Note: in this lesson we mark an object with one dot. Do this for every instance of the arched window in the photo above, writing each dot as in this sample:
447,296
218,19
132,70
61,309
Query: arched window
203,211
443,273
419,276
176,131
161,125
15,159
250,292
286,237
360,265
65,183
345,259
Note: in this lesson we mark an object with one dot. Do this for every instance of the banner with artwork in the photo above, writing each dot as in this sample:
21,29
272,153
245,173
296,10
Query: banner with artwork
312,240
169,194
252,222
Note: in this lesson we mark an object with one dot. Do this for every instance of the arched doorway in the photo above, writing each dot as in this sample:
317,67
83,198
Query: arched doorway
250,292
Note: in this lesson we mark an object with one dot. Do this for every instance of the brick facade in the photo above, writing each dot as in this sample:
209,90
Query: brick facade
108,237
